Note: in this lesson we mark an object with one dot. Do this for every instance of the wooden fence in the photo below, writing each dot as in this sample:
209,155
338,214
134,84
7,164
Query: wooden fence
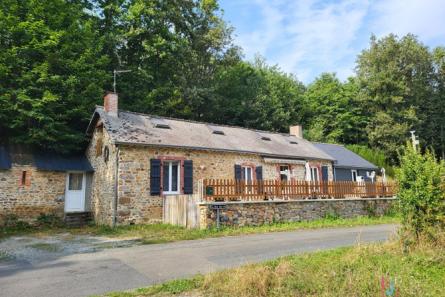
239,190
181,210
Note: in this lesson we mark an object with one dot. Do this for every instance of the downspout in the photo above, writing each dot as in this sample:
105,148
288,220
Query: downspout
116,181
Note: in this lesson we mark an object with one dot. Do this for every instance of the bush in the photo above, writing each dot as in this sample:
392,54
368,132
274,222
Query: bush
421,193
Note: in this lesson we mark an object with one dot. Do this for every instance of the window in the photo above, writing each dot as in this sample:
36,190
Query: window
314,173
171,177
284,172
247,173
23,180
75,181
354,175
106,154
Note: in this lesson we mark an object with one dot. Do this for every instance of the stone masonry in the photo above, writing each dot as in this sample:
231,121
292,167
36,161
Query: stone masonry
135,203
42,193
264,212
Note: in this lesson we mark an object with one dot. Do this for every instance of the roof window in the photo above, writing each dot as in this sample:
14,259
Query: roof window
264,137
160,123
216,129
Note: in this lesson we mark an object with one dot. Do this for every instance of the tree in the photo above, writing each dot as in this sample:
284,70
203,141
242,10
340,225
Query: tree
421,193
174,49
51,72
395,80
258,96
334,114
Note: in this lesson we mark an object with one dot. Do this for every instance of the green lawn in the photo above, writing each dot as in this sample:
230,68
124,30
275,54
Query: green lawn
355,271
160,233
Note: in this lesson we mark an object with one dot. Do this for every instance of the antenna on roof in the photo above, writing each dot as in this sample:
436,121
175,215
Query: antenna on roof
115,72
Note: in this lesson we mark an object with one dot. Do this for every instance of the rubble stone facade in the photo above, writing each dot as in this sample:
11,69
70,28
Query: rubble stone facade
27,192
265,212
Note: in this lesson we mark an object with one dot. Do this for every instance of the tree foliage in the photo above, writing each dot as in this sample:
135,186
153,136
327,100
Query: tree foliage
51,72
57,58
421,192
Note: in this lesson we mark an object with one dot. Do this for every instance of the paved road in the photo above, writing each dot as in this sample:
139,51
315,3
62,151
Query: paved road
138,266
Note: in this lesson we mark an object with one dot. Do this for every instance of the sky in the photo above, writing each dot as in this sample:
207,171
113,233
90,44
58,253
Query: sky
308,37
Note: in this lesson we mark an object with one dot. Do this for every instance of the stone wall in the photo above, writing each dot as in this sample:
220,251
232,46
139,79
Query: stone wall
103,181
136,205
263,212
42,193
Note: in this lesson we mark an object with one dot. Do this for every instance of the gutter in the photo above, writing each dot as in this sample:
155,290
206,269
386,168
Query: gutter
116,181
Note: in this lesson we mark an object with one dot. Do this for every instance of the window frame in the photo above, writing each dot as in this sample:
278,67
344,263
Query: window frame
244,170
285,172
169,191
352,175
315,177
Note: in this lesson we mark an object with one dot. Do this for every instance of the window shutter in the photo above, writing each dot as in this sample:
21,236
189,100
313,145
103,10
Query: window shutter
259,172
238,172
155,177
188,177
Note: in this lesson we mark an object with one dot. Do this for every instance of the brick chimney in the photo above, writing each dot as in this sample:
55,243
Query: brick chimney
296,130
111,104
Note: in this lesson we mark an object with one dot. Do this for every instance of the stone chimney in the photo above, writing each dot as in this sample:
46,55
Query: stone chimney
111,104
296,130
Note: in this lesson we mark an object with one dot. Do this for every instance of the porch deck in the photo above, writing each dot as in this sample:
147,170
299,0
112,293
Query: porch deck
223,190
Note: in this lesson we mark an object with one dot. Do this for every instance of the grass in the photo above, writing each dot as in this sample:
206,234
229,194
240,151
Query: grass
161,233
355,271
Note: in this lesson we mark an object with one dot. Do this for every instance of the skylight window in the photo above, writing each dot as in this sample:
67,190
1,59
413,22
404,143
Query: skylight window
264,137
216,130
160,123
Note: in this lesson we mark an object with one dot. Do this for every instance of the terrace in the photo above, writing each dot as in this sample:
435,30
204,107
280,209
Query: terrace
225,190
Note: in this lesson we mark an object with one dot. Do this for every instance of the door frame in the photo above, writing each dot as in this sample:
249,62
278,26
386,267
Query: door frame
84,184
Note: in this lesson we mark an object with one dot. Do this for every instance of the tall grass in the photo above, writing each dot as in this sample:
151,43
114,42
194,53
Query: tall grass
355,271
375,156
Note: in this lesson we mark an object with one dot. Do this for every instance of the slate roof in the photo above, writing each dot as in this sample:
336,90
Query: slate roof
139,129
42,161
344,157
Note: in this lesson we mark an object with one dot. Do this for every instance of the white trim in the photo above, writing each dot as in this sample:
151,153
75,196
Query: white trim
83,191
170,177
246,170
352,175
314,172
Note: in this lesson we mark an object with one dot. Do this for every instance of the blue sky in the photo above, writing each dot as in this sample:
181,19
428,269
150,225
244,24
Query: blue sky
308,37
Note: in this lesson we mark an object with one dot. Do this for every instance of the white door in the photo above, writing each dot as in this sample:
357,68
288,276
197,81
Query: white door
75,192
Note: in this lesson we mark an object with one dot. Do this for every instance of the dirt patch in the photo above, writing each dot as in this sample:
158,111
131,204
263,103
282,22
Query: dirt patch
37,249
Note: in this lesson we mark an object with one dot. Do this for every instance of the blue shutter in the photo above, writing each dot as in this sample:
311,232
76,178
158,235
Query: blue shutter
155,177
259,172
238,172
188,177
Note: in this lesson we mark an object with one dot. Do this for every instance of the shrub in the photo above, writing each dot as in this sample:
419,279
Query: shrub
421,193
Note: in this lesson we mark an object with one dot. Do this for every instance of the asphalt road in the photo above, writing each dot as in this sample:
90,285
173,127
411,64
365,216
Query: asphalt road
139,266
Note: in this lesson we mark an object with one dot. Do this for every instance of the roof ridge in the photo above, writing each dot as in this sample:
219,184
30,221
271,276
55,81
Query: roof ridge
337,144
199,122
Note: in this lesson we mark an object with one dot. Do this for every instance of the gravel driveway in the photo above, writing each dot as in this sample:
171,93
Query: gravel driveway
34,249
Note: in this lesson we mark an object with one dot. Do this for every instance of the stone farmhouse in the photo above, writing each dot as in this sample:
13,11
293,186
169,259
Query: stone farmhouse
133,161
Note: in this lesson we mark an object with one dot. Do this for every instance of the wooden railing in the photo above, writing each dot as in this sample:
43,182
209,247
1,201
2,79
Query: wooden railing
239,190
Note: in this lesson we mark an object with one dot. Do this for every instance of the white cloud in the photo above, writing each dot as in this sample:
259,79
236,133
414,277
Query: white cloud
307,37
425,18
